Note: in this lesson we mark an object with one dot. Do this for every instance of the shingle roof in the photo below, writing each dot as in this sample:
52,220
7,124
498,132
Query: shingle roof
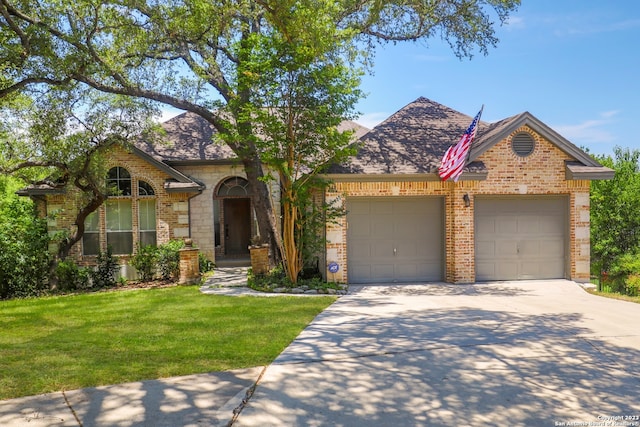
188,137
412,140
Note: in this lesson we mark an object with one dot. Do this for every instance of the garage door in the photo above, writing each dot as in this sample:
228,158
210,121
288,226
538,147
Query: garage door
394,239
520,238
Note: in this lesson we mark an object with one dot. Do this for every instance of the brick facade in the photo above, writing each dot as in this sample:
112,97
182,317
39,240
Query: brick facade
540,173
171,208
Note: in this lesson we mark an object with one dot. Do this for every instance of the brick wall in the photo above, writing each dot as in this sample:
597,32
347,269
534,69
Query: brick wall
540,173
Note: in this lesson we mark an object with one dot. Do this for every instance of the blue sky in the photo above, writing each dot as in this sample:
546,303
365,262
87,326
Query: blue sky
574,64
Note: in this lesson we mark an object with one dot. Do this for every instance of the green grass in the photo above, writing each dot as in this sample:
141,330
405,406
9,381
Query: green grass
69,342
615,295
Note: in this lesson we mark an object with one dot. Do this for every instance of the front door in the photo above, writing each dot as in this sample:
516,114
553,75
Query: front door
237,226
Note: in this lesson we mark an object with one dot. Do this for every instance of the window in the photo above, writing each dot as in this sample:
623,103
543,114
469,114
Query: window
119,182
124,203
146,214
119,226
91,236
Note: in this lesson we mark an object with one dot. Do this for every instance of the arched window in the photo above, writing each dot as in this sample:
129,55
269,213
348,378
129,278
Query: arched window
120,209
119,182
234,186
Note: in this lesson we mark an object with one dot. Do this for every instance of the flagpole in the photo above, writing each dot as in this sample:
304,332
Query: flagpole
466,160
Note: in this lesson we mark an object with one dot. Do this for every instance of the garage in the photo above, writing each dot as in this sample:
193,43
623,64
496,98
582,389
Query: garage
393,240
521,237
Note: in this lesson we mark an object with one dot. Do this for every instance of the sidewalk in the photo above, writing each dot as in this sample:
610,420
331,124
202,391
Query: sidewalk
193,400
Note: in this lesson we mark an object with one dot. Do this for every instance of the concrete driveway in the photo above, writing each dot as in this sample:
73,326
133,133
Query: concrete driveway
532,353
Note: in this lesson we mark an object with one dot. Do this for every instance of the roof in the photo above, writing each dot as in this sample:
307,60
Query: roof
411,141
189,138
414,139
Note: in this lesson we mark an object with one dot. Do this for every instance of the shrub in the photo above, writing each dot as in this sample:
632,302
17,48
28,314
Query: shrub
205,263
104,276
24,253
145,262
624,276
71,277
169,259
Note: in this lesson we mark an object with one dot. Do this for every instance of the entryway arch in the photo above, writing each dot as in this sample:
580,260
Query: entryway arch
232,202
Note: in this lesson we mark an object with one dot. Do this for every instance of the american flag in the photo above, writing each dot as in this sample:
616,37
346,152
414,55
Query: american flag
455,158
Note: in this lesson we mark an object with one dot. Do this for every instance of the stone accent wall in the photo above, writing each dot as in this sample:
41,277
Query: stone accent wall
201,206
540,173
202,217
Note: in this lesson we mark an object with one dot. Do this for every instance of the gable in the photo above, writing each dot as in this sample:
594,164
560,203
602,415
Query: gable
414,139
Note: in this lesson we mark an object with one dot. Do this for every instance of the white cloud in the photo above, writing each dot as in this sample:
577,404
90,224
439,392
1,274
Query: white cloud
515,23
370,120
593,131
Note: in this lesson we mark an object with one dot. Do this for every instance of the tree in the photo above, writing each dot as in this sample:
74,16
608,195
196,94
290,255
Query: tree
615,224
308,90
58,141
196,55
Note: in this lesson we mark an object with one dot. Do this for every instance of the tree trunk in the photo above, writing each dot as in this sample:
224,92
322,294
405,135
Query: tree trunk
265,215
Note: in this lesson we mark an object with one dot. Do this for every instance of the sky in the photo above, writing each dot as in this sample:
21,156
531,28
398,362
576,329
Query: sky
573,64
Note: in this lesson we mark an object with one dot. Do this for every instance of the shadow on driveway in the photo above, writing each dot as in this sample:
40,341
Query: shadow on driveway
531,354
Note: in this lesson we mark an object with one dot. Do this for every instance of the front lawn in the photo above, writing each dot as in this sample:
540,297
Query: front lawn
69,342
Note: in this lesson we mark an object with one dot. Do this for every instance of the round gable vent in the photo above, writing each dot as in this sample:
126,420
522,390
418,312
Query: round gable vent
523,144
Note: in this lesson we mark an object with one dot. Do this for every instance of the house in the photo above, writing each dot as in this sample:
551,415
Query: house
519,211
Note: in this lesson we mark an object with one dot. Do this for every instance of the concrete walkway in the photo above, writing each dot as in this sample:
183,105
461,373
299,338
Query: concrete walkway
539,353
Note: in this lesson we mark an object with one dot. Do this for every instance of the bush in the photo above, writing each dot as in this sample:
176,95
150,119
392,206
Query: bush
169,259
24,253
104,276
71,277
205,263
145,262
276,278
624,275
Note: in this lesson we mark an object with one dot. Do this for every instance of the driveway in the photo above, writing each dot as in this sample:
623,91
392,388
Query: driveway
531,353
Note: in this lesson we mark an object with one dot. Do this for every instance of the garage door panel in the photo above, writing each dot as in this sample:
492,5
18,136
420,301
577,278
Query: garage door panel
381,249
506,270
528,224
360,226
411,226
488,249
485,269
549,225
507,225
529,248
382,272
362,251
485,225
382,229
506,248
383,207
534,249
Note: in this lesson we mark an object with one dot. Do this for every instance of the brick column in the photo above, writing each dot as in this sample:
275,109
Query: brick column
189,265
460,239
259,259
